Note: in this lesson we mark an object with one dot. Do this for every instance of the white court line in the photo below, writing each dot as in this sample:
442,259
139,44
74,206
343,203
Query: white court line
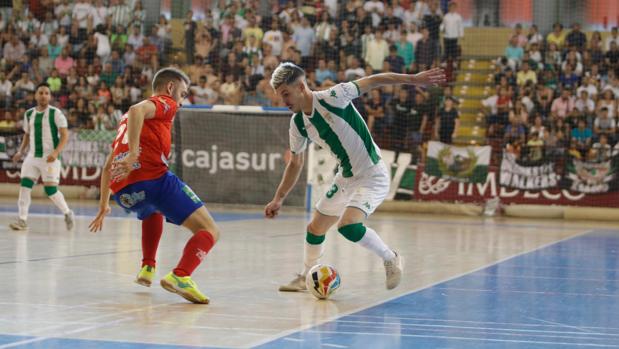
480,331
529,292
473,322
562,325
291,340
464,338
83,329
398,324
543,277
286,333
64,333
333,345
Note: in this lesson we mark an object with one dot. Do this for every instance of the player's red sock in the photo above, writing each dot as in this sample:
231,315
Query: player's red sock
196,249
152,227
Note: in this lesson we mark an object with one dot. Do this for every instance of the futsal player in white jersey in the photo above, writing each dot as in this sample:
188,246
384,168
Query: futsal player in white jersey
46,134
329,119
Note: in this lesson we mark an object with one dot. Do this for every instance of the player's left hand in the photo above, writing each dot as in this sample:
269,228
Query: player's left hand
97,223
122,168
434,76
52,157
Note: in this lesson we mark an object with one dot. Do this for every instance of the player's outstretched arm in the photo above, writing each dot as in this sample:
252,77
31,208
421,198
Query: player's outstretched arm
104,200
291,175
135,120
434,76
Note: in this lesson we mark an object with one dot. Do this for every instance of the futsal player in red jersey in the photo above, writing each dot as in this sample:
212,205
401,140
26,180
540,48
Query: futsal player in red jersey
136,173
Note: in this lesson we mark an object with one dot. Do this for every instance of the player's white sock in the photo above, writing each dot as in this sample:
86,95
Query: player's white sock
58,200
367,238
23,203
313,250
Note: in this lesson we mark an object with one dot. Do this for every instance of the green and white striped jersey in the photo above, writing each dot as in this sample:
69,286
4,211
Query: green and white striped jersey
335,124
42,128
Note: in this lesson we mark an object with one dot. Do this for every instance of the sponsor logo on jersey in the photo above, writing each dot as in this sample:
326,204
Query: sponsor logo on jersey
130,200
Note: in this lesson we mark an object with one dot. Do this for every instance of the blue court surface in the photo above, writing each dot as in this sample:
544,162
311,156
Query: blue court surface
563,295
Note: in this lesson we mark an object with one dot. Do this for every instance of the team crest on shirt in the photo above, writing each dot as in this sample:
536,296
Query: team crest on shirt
333,94
130,200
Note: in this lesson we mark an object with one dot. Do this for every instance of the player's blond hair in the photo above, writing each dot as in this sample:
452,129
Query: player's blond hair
286,74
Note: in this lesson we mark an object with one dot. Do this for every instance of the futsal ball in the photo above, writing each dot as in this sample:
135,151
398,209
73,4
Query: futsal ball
322,281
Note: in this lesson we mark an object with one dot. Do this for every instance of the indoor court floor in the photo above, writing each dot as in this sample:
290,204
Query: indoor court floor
469,282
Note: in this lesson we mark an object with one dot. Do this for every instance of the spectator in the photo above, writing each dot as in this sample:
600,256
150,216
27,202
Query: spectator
136,38
101,120
539,128
414,35
514,138
589,86
604,125
104,95
557,37
54,81
274,38
107,75
119,38
252,29
354,71
612,56
608,101
230,90
120,13
138,16
147,54
601,151
63,12
584,104
432,20
6,89
519,35
377,51
13,50
323,72
396,63
519,113
581,137
99,14
577,38
410,122
64,62
613,37
164,31
375,108
453,30
514,53
189,38
425,52
129,55
534,37
23,87
535,147
104,49
447,122
563,106
304,37
526,75
405,50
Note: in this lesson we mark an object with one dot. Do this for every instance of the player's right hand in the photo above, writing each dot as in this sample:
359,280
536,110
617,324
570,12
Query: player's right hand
97,223
272,208
17,157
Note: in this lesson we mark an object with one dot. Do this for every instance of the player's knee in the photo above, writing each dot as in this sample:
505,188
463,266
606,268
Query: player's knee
353,232
316,229
50,190
27,183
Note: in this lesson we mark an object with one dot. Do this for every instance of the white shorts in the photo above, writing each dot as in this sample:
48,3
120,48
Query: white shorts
34,168
365,192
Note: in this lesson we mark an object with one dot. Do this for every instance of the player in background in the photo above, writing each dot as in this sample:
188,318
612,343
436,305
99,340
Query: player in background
46,134
362,182
136,173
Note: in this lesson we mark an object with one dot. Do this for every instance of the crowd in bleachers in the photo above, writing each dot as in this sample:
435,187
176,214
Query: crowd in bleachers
98,58
556,95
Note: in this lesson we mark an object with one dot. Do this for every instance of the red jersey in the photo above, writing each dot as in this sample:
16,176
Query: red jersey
155,144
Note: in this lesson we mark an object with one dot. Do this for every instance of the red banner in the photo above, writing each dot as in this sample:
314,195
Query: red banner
434,189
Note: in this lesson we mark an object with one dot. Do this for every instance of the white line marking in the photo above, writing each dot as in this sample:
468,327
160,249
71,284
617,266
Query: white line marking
463,338
291,340
286,333
562,325
333,345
